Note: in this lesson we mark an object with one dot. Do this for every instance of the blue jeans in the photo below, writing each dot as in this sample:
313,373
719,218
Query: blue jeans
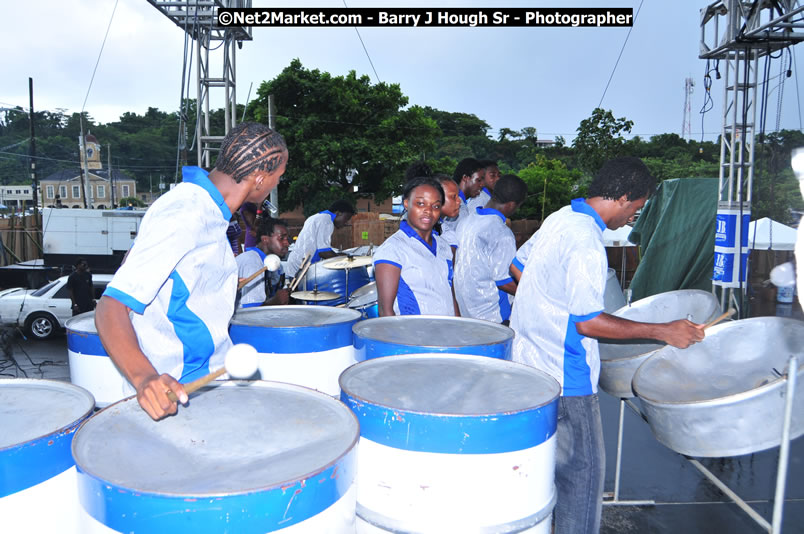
580,465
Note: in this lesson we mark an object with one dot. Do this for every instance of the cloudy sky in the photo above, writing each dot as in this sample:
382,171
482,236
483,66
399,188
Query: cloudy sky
548,78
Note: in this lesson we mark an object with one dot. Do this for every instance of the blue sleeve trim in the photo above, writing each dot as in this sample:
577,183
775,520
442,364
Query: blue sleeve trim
503,281
518,264
125,299
251,305
582,318
389,262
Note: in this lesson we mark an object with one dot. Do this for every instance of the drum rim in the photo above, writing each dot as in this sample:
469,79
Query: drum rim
80,317
333,310
227,383
742,395
652,298
392,318
73,424
447,356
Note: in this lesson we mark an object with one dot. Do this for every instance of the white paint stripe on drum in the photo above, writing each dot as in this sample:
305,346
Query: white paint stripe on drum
433,492
99,374
316,370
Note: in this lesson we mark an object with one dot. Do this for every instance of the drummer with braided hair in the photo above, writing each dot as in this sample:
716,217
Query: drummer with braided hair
180,277
558,317
413,267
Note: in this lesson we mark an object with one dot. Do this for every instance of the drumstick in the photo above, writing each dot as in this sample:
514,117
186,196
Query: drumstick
716,320
252,277
301,266
240,362
298,277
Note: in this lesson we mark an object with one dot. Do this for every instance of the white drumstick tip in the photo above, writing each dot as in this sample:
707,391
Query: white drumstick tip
241,361
271,262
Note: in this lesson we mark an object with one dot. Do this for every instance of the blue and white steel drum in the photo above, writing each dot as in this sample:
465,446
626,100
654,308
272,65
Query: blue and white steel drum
453,443
90,365
334,280
37,473
305,345
241,457
415,334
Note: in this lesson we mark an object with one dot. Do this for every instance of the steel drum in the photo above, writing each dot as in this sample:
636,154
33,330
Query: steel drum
724,396
364,300
240,457
619,359
90,365
453,443
613,298
305,345
416,334
37,474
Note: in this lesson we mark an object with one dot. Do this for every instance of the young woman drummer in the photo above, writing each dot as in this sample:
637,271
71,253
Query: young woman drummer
413,267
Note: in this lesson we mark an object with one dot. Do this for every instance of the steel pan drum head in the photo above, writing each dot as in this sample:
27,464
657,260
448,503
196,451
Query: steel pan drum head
724,396
364,296
661,308
734,358
293,316
230,439
31,409
84,322
449,384
613,298
433,331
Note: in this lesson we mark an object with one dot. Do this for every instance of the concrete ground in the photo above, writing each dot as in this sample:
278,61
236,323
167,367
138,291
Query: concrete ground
686,502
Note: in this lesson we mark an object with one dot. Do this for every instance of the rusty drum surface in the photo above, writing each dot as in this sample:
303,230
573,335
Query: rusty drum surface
619,359
724,396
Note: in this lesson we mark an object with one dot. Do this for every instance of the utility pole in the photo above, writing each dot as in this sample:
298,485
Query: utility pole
32,149
109,157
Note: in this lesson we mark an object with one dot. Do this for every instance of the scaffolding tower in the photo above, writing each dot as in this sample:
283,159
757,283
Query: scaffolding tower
198,18
686,122
737,33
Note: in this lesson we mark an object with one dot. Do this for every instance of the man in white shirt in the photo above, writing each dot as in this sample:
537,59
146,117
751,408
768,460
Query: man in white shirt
180,277
265,290
486,246
559,316
315,237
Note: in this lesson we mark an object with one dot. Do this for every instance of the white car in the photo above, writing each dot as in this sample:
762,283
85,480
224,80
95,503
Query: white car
42,312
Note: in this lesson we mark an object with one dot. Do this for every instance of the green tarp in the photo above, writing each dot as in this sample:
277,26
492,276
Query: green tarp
676,231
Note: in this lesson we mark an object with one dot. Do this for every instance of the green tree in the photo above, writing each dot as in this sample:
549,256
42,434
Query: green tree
600,139
342,131
551,185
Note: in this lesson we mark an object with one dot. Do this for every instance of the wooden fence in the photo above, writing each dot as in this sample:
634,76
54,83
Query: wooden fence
21,238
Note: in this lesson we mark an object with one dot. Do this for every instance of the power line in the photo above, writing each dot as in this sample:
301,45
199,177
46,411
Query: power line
365,49
621,55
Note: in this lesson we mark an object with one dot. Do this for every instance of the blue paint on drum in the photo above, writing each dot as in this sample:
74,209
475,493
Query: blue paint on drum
85,343
454,434
334,280
28,464
264,510
295,339
367,349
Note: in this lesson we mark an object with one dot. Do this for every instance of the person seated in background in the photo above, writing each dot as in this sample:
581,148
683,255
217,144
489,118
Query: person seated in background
82,294
248,213
266,289
469,176
486,247
490,178
413,267
233,233
316,235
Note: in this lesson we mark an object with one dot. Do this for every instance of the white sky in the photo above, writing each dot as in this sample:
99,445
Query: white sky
548,78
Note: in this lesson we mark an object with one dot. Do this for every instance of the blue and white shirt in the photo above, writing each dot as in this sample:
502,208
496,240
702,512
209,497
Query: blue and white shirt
479,201
563,285
522,254
180,279
486,247
315,237
450,224
425,280
253,293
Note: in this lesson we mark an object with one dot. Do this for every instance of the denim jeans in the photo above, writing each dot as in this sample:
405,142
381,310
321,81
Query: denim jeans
580,465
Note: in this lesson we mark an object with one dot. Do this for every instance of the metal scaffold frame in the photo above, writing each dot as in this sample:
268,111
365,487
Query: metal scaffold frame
198,19
737,33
